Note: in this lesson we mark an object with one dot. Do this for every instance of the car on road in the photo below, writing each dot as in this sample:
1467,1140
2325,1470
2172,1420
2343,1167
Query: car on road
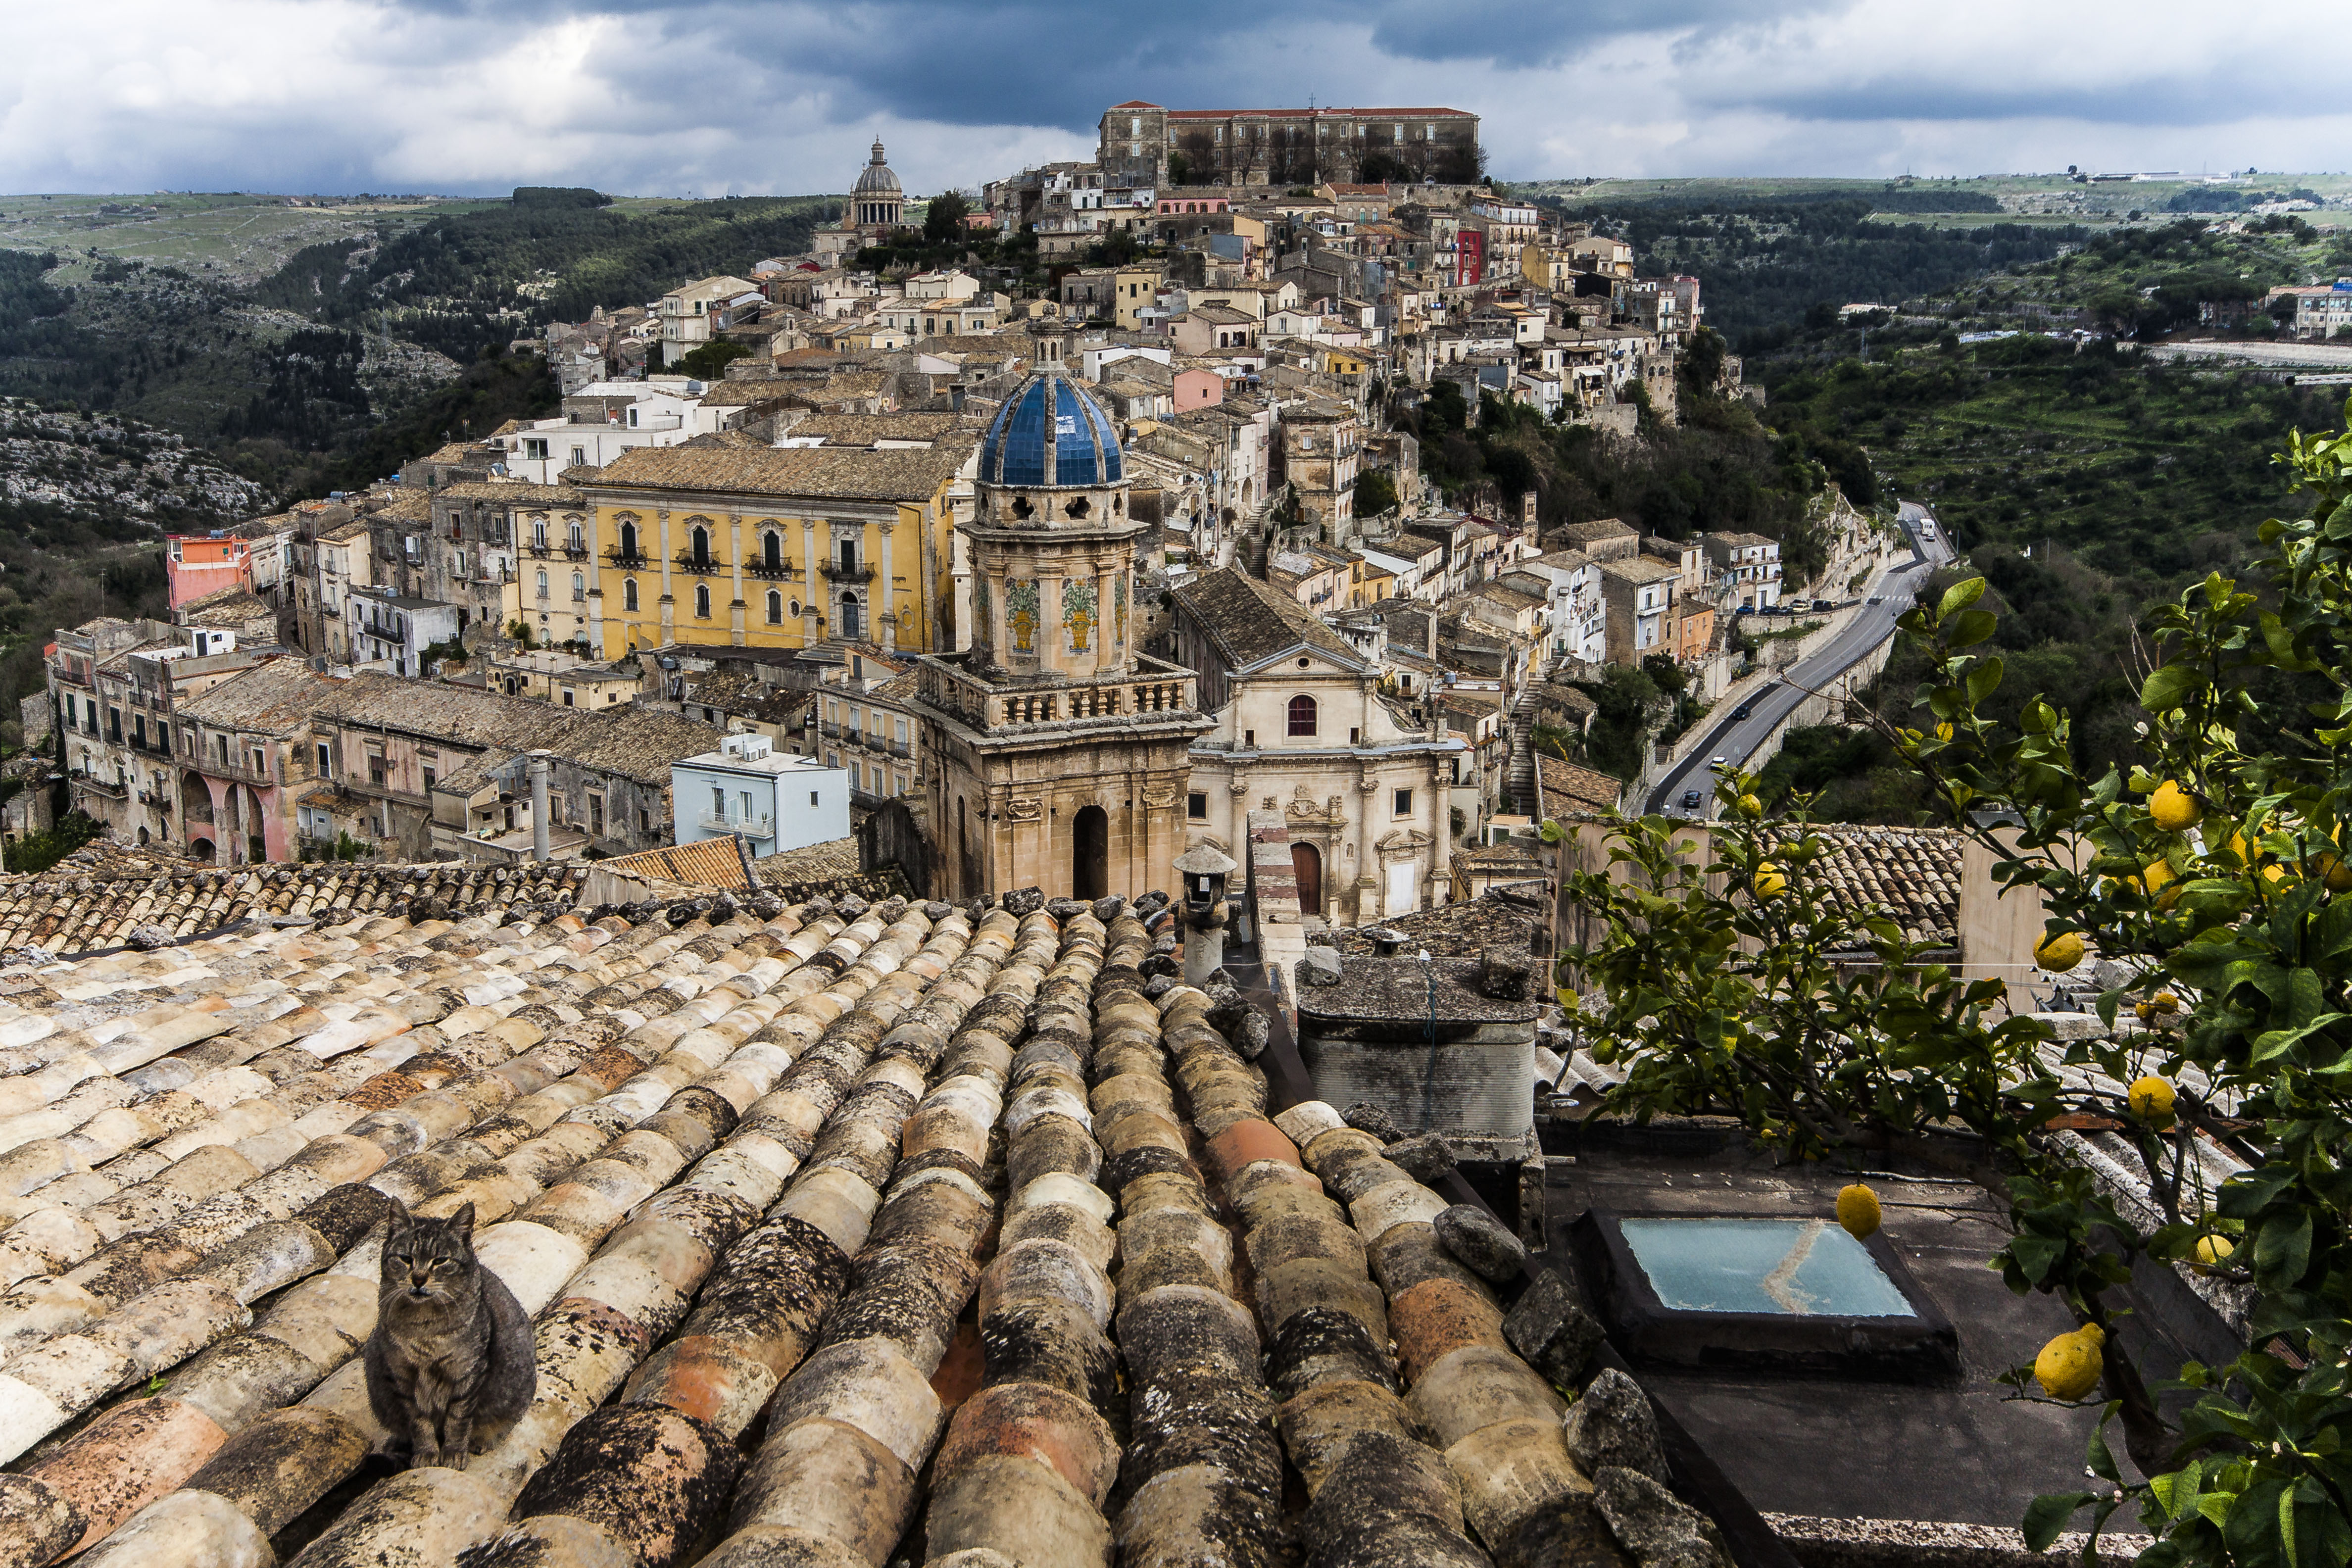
1690,800
1823,605
1878,598
1740,711
1719,762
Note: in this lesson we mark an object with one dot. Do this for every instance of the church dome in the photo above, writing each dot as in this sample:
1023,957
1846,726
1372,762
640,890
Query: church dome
1050,432
876,178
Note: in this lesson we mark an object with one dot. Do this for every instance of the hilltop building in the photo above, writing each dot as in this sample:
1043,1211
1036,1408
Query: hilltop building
1281,146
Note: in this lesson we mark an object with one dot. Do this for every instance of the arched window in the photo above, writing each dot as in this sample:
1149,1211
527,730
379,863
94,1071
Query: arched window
628,539
579,587
628,593
701,545
771,551
702,600
542,584
539,533
573,538
1302,715
775,608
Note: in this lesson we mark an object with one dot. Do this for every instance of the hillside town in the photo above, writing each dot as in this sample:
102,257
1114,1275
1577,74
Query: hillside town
981,911
543,642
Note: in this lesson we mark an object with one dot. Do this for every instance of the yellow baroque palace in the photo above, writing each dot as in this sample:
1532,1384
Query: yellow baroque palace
775,547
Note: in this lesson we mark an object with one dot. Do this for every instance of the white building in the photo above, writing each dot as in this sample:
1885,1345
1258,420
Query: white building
689,313
606,418
776,800
1576,620
393,629
1753,563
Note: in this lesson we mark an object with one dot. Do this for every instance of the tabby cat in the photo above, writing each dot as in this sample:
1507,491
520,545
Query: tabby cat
449,1367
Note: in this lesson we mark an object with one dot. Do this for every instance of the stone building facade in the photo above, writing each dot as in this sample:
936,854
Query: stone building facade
1303,727
1282,146
1056,750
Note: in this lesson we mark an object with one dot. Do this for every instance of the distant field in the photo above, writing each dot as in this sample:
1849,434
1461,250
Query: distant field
2025,198
228,239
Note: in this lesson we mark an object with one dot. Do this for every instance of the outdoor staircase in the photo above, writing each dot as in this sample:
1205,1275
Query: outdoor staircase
1520,775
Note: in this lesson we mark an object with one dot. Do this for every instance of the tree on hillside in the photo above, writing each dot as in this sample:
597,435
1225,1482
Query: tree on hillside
943,219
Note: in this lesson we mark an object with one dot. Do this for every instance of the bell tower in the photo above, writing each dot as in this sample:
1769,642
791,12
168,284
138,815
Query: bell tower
1060,753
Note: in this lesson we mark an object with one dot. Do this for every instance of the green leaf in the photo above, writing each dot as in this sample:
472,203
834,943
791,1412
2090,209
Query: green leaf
2215,1506
2283,1249
1959,596
1969,628
2035,1253
2169,686
1984,680
2046,1515
2103,1462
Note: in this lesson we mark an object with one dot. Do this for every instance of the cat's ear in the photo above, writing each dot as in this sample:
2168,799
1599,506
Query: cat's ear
396,1220
461,1224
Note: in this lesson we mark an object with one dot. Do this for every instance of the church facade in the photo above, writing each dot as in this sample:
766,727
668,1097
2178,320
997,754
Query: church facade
1058,750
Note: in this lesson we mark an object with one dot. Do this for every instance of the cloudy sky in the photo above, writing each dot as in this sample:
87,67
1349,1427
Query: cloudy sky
670,97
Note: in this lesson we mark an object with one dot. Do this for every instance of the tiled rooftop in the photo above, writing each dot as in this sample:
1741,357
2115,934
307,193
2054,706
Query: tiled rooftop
1911,873
853,1234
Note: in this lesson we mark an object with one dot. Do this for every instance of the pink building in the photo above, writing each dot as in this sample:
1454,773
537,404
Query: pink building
198,565
1198,389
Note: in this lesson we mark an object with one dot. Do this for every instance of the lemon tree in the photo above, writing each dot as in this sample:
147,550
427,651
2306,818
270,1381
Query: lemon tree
2208,878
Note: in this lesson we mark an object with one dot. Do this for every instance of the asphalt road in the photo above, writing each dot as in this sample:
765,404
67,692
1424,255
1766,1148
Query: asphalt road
1869,625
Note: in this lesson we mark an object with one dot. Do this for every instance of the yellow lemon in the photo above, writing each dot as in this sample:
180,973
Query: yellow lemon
2277,875
2150,1097
2174,808
1750,806
1857,1210
1769,883
2339,874
2069,1365
2212,1250
2143,1012
2155,875
2059,953
2165,1001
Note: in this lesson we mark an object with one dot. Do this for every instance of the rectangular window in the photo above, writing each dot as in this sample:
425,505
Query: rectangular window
718,801
429,776
1404,802
534,448
812,798
596,814
324,767
1196,805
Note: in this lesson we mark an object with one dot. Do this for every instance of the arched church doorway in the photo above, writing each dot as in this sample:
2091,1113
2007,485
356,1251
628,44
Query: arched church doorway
1307,865
1090,853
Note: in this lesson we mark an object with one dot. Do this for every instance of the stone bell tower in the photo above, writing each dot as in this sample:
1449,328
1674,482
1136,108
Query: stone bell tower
1060,754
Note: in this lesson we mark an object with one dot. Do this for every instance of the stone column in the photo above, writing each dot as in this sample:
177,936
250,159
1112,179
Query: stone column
809,577
885,599
539,824
668,606
735,559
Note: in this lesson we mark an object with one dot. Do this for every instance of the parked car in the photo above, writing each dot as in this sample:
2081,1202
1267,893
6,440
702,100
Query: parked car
1690,800
1823,605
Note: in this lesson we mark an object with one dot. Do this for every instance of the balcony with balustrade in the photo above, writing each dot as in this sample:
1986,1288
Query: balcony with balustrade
1155,691
754,827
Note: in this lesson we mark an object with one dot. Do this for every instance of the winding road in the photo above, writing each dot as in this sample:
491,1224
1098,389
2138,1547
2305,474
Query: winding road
1867,625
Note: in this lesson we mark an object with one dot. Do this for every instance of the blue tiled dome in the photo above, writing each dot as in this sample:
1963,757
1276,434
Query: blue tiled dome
1050,432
